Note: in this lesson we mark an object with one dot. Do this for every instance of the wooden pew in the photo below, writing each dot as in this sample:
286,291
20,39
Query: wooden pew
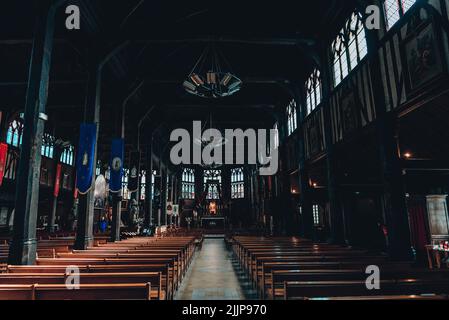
137,291
88,278
279,277
173,278
264,276
256,269
169,257
317,289
391,298
163,269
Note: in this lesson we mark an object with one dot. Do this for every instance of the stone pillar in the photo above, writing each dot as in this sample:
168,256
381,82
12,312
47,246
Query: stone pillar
23,247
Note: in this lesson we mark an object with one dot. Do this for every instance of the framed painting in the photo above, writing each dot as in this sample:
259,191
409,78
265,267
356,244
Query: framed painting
423,57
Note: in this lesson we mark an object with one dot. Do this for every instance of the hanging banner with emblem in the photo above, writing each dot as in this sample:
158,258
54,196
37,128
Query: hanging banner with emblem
169,209
85,157
57,180
3,157
134,168
176,210
117,155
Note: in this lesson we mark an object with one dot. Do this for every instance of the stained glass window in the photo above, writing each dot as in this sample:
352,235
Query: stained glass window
237,184
292,123
349,47
313,89
188,184
395,9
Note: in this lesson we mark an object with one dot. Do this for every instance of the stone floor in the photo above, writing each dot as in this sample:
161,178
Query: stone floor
214,275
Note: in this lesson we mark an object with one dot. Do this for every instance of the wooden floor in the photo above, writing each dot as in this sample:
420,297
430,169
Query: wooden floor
213,275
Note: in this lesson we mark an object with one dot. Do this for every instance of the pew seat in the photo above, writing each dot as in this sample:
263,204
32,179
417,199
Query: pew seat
88,278
275,286
136,291
383,298
324,289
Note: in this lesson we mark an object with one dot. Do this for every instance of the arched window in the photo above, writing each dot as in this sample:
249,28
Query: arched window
143,184
153,177
188,184
98,168
212,176
125,192
68,156
395,9
15,133
313,89
349,47
48,142
237,184
292,124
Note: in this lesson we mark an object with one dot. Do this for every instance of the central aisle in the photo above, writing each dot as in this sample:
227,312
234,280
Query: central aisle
212,275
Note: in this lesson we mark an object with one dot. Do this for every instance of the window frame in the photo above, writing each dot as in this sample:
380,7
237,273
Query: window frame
188,184
400,10
237,183
314,91
292,117
348,38
213,194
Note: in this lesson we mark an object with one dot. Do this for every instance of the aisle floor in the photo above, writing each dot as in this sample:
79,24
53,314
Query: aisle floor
214,275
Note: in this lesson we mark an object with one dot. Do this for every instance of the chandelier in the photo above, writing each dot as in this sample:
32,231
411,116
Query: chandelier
211,77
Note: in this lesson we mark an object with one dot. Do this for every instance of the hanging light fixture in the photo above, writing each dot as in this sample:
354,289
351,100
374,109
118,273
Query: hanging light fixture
209,79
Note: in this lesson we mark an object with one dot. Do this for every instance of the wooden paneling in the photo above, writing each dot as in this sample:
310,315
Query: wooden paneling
396,52
351,104
314,133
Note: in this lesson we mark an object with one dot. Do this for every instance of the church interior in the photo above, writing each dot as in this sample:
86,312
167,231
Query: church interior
294,150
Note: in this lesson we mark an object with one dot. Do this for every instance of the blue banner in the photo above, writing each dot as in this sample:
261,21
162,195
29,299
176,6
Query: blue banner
117,158
85,157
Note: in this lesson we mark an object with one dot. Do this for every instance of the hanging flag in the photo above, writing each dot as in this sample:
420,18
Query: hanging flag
85,158
3,156
117,155
75,192
57,180
134,167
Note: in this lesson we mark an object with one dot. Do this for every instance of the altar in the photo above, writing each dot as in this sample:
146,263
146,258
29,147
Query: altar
213,223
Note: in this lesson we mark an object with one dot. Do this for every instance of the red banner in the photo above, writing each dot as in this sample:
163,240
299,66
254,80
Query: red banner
57,180
3,156
75,192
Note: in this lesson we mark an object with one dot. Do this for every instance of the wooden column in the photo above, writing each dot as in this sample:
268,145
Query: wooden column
148,221
164,195
399,243
84,234
391,175
117,197
116,217
306,219
337,228
23,246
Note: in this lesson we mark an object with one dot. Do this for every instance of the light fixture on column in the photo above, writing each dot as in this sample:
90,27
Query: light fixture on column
408,155
211,76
